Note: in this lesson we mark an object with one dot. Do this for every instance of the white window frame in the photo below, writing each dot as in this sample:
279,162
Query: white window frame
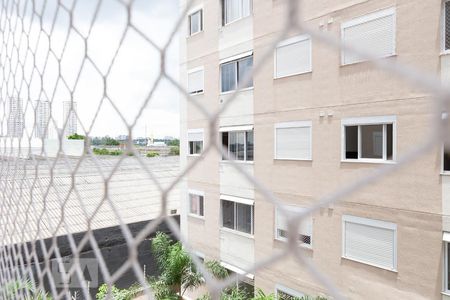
294,124
224,17
197,193
367,18
192,12
372,223
359,121
291,41
235,59
194,70
289,291
443,29
241,201
298,209
197,130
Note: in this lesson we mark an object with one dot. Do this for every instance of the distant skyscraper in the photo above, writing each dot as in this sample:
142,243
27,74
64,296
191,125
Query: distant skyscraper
42,118
15,118
71,118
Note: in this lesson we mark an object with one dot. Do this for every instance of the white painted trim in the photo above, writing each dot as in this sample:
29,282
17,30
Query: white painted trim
196,69
445,270
375,120
196,192
284,289
384,12
369,120
195,130
236,128
372,223
293,40
446,236
195,9
237,270
237,232
367,18
237,199
293,124
288,42
236,57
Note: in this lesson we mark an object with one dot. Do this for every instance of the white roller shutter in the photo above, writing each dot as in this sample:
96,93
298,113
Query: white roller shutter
370,241
293,56
374,33
195,82
293,142
281,221
195,136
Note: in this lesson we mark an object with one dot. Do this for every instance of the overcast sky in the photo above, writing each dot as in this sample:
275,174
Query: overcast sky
131,77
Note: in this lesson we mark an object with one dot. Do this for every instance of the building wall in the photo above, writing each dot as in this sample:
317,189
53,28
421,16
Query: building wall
412,197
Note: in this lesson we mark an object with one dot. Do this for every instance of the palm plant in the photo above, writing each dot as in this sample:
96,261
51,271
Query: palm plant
178,272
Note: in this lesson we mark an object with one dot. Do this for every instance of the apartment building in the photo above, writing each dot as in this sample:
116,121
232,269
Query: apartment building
15,117
312,119
42,119
69,116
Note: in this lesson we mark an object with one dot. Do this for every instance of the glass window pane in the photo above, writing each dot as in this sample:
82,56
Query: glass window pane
351,142
448,266
198,147
447,159
246,8
200,205
196,19
225,142
245,66
228,76
244,217
240,145
447,25
232,145
191,147
372,141
233,10
228,214
389,141
249,142
194,204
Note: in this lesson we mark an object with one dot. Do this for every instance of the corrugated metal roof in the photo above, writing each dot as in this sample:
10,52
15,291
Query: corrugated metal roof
37,199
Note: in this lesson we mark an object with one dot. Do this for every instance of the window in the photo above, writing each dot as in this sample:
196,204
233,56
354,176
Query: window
446,239
196,22
233,73
285,293
369,139
196,203
370,241
446,24
195,81
195,141
237,214
234,10
238,144
293,56
305,230
245,283
293,140
374,33
446,160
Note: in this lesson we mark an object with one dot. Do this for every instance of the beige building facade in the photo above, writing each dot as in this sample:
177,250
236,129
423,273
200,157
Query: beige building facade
311,119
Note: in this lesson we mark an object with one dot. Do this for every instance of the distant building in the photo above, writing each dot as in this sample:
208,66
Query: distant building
42,119
15,118
70,117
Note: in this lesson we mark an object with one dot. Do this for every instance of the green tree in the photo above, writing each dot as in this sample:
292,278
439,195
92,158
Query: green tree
174,150
76,136
178,272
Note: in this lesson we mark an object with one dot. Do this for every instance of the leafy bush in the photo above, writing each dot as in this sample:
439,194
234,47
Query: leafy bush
104,151
116,293
174,150
152,154
76,136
